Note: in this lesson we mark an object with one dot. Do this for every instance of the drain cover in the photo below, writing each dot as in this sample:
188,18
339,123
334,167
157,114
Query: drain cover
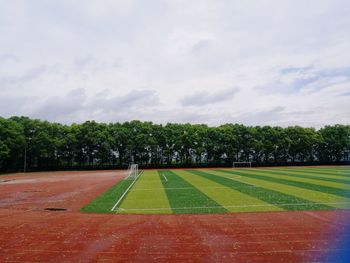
55,209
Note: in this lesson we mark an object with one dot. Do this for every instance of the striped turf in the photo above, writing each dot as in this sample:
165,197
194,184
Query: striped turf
104,202
329,182
228,190
184,198
268,195
327,169
290,181
147,196
315,172
311,195
232,200
345,171
302,174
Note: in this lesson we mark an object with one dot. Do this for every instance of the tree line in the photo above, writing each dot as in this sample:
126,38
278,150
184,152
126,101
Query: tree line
37,145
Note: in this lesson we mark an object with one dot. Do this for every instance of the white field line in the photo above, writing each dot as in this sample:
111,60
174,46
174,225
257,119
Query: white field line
228,176
126,191
184,188
239,180
323,173
235,206
283,174
165,177
313,172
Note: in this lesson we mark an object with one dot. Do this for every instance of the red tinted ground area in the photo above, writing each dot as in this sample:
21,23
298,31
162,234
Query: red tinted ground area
28,233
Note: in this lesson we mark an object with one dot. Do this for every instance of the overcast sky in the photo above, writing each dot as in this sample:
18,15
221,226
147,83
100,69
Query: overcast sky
252,62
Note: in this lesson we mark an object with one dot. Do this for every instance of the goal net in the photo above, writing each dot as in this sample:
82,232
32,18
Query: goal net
133,172
241,164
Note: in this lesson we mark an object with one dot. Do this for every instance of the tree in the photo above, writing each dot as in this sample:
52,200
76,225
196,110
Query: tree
301,143
334,143
53,145
11,143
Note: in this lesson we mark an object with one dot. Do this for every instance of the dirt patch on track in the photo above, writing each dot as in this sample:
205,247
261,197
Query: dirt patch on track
30,233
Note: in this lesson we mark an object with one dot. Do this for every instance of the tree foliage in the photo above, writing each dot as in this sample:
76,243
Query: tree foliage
46,144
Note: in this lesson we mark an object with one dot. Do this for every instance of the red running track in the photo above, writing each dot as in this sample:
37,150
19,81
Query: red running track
28,233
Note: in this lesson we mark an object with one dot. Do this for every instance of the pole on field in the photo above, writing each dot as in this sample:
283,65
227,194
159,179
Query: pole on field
25,157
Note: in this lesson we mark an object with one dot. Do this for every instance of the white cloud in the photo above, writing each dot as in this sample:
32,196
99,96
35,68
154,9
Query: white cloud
202,98
155,58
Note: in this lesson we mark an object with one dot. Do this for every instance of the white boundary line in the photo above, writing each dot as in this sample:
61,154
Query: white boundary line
276,176
238,179
234,206
127,190
184,188
165,177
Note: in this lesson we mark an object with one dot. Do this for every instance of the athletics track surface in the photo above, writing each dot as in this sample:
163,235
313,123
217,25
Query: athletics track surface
30,233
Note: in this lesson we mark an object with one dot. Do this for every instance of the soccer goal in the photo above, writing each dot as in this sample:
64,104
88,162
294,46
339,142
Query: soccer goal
241,164
133,172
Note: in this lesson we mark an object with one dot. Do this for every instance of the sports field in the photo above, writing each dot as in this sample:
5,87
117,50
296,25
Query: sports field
32,231
227,190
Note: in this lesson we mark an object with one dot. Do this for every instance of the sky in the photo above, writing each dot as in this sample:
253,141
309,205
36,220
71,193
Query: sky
255,62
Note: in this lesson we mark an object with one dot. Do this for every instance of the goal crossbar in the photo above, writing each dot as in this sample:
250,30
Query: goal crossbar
133,172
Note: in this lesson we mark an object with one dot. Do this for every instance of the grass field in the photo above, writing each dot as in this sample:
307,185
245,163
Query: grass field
227,190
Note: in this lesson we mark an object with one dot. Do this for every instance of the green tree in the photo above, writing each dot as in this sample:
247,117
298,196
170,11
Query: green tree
334,143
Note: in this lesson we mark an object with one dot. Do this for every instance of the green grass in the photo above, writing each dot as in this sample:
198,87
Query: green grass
185,198
300,174
233,200
228,190
147,196
317,174
285,201
326,170
314,196
105,202
305,185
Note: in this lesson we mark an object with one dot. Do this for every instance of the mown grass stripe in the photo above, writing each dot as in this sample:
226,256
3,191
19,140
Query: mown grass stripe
309,186
316,172
231,199
313,178
104,202
183,200
314,196
331,171
334,168
267,195
136,201
116,205
307,179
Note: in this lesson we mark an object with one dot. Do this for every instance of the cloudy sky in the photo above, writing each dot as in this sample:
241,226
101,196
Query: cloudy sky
253,62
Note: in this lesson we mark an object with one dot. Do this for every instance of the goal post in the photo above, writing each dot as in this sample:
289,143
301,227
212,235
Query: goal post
133,172
241,164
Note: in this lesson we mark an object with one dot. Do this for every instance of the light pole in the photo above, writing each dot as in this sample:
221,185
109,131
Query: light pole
25,157
27,140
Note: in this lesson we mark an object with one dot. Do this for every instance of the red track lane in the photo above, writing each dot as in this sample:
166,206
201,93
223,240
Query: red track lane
28,233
